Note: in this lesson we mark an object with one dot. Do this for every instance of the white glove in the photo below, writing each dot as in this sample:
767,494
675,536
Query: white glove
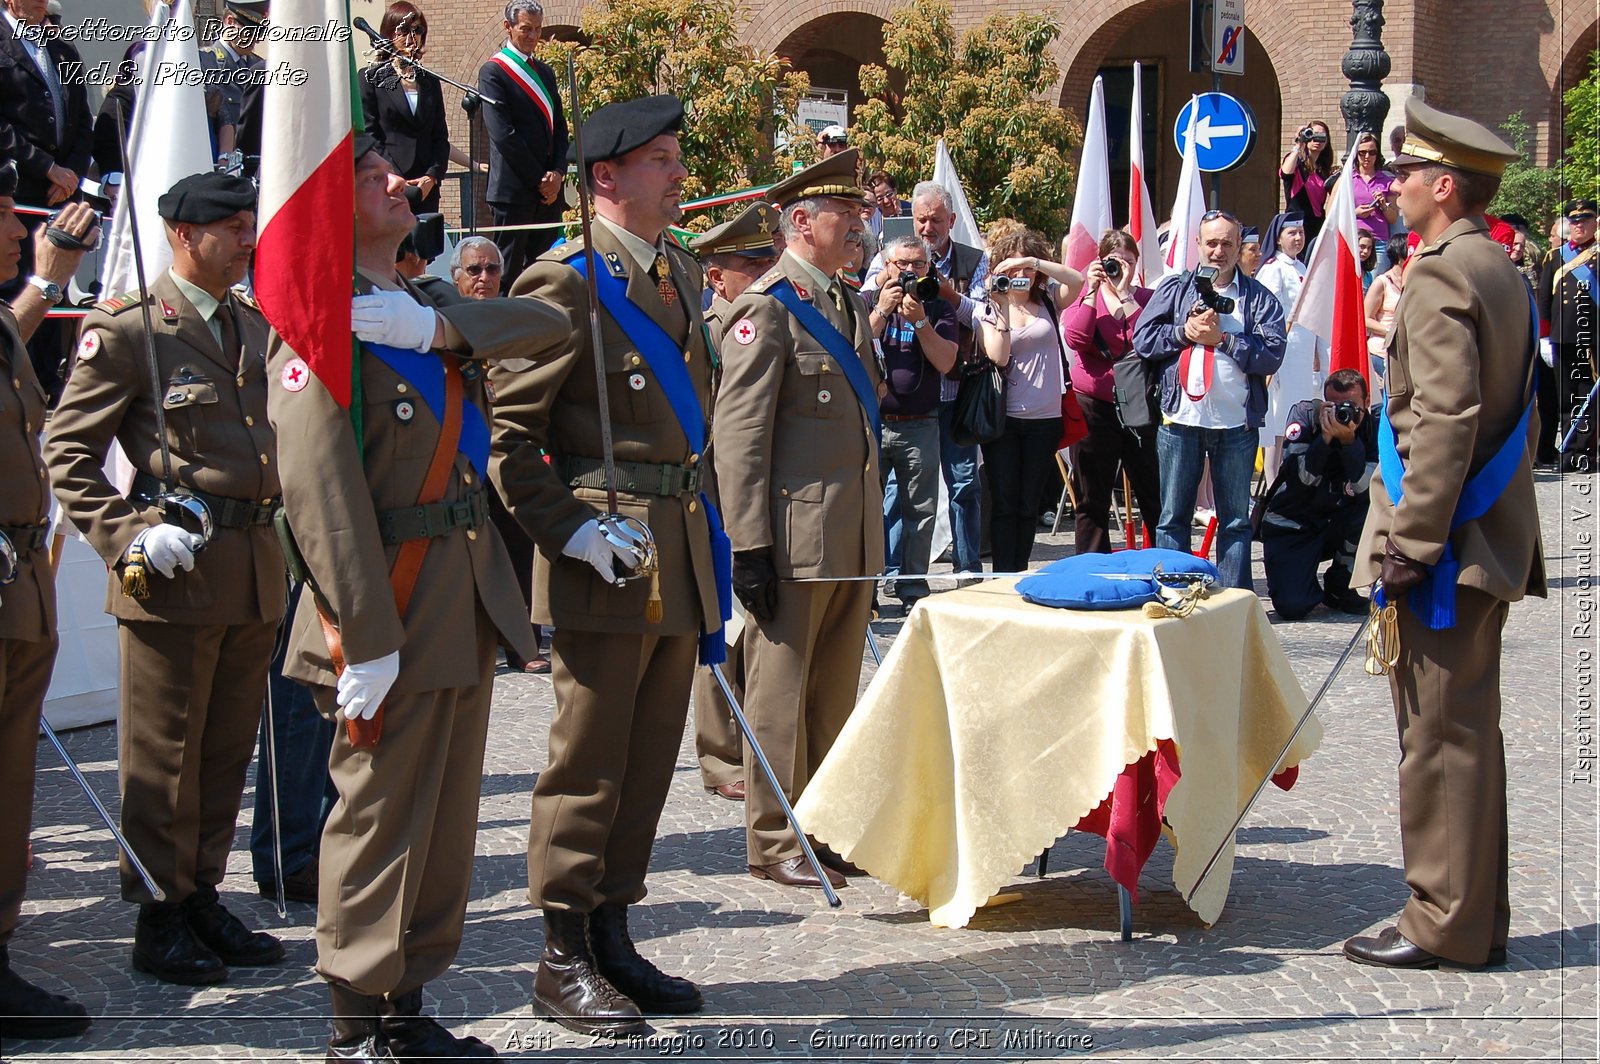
364,685
589,544
1547,351
393,318
167,548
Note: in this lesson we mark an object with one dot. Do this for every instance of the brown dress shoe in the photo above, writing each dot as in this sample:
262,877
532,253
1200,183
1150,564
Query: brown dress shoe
1390,949
298,886
796,872
831,859
733,792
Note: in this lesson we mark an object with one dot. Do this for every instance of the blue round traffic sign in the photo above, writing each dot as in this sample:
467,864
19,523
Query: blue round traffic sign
1224,131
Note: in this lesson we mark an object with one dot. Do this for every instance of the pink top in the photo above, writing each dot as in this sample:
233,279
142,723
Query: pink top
1363,190
1091,370
1385,315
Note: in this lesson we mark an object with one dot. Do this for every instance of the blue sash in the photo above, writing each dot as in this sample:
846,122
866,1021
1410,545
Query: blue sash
1585,273
665,359
1434,600
836,344
424,372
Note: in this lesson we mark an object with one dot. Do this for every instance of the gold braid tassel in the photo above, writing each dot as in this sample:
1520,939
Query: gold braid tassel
1383,637
652,608
136,574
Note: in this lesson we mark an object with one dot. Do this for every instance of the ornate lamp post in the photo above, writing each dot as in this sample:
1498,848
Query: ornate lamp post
1366,64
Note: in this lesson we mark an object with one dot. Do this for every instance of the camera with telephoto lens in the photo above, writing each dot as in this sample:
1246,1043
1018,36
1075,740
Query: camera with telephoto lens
1002,283
1205,286
1112,266
924,288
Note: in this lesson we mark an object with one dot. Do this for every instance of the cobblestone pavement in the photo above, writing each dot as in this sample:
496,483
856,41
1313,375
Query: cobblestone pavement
785,977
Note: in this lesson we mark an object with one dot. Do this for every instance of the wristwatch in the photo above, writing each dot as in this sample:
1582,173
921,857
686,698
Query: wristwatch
919,324
49,289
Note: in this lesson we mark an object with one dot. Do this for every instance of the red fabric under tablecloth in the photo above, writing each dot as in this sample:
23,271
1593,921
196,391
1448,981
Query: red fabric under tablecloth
1130,817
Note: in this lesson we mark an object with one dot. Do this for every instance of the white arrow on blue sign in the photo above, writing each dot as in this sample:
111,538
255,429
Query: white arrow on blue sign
1224,131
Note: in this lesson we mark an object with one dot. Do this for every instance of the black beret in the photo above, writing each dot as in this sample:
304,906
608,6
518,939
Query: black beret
1579,206
618,128
201,199
364,142
8,179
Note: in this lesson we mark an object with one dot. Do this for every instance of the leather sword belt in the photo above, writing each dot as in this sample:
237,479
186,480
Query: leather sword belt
640,478
27,537
226,512
433,519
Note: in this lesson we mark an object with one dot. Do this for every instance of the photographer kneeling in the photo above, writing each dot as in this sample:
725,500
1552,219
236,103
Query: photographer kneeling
1316,506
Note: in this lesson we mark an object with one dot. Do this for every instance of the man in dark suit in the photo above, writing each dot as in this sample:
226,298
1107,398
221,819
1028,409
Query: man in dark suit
527,140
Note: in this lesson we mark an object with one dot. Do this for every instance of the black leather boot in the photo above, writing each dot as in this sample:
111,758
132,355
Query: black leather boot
226,934
165,947
413,1036
568,987
355,1027
651,989
34,1013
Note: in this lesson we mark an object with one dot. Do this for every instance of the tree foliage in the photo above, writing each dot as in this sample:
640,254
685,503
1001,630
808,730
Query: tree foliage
1582,171
1527,189
737,102
983,94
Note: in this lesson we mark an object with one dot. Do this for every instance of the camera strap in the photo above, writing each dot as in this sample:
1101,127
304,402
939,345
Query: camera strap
1195,374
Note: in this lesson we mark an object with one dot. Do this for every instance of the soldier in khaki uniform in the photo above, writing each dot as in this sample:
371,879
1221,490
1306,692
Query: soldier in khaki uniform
735,254
27,593
797,465
622,671
1459,392
396,859
196,647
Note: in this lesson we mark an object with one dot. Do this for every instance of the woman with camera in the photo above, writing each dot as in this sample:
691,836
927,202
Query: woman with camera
1098,328
1306,172
405,107
1022,336
1300,376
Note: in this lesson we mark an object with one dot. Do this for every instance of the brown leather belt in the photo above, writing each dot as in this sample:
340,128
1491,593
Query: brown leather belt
909,417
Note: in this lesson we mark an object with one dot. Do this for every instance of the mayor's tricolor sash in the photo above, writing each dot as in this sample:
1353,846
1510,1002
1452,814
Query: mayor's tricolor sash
665,360
528,80
836,344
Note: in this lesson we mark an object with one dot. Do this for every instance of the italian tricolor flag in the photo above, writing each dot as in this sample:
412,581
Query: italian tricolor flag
1141,216
305,249
1331,302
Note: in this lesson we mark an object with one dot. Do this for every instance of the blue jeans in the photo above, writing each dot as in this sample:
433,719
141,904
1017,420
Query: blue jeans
910,455
302,740
1182,452
959,467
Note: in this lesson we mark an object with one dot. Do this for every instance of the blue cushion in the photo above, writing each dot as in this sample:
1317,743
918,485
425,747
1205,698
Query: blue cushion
1080,582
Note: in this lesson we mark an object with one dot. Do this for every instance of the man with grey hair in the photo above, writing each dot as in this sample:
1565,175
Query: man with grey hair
527,141
476,267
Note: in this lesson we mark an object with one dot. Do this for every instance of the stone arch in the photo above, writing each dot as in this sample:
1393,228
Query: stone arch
832,48
772,24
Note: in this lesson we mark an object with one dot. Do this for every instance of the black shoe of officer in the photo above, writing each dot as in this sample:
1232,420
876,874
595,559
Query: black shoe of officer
413,1036
225,933
355,1028
31,1012
1346,601
569,988
651,989
165,947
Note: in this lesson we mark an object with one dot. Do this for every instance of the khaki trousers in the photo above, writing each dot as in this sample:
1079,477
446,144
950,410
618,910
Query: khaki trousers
24,679
1446,690
396,857
621,704
802,669
191,707
717,742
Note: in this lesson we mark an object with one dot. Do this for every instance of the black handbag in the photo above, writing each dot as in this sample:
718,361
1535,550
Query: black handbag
980,413
1134,382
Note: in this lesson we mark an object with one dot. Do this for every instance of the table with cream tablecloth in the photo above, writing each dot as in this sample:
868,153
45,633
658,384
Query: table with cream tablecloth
994,725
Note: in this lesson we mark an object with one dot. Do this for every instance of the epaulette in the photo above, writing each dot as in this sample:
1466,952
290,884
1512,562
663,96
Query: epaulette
246,298
118,304
565,250
766,280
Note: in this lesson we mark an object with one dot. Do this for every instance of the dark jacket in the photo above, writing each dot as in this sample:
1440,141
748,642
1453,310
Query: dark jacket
1319,477
1258,350
1567,307
28,122
418,144
522,145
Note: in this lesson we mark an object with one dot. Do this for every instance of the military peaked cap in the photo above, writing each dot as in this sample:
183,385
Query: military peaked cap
1441,139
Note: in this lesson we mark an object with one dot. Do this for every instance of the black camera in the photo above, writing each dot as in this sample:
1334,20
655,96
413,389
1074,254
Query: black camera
1003,283
924,288
1306,134
1345,412
1205,279
1112,266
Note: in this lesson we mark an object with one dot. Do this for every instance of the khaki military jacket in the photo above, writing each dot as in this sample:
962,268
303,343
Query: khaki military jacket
796,461
28,603
1457,382
554,408
335,490
221,443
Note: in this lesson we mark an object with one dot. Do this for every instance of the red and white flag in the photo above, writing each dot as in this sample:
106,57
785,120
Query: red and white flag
1331,302
1091,202
1188,206
1141,217
305,248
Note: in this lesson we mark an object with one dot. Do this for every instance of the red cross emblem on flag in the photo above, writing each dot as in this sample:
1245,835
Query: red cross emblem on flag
745,331
296,375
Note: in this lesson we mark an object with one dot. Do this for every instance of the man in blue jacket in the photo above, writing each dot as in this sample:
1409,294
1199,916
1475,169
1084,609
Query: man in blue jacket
1215,345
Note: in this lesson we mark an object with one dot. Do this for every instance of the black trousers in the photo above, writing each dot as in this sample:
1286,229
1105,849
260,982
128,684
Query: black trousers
1020,465
520,247
1095,459
1291,559
1574,378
